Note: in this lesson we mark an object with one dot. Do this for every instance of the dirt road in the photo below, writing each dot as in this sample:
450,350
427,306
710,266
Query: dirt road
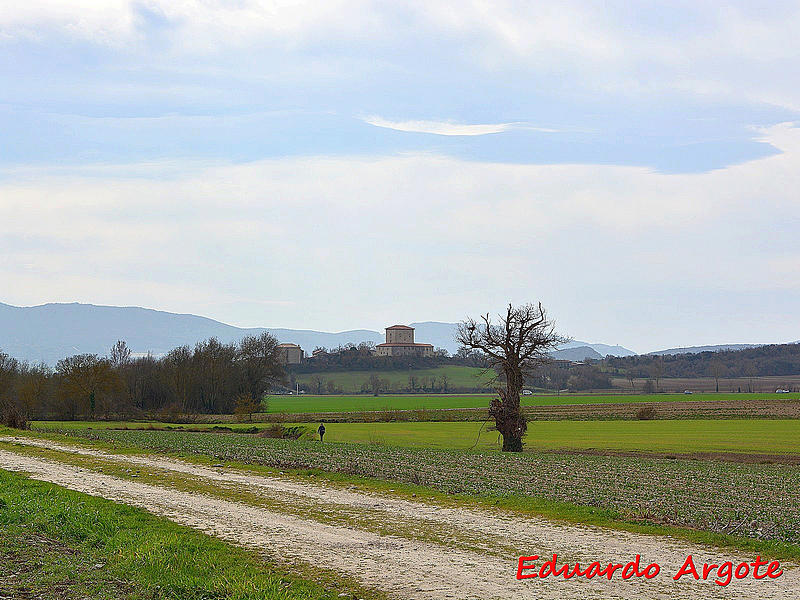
408,549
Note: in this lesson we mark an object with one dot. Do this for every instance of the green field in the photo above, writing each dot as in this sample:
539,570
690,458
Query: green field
682,436
349,403
307,403
746,436
351,382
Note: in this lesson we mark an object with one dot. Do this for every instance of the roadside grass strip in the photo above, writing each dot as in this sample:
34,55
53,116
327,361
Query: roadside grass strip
58,543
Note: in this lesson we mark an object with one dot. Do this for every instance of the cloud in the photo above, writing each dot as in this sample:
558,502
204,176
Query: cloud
337,243
710,49
439,127
451,128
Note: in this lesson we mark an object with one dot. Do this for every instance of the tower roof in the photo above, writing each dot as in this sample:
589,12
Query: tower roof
400,327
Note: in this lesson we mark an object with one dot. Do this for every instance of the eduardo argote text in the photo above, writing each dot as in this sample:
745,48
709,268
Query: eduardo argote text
529,567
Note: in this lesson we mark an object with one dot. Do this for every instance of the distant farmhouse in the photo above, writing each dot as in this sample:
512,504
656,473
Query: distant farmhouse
400,342
290,354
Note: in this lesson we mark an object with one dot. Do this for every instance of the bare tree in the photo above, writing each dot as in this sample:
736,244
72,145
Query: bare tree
717,370
34,390
86,380
120,354
11,414
631,379
657,371
317,383
375,384
520,342
750,371
246,404
259,358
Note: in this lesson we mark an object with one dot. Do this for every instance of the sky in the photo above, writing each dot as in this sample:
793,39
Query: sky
353,164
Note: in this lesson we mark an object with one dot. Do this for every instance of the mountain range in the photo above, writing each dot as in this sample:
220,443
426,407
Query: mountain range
49,332
699,349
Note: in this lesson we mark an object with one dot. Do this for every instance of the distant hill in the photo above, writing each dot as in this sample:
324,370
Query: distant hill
577,354
601,349
699,349
442,335
50,332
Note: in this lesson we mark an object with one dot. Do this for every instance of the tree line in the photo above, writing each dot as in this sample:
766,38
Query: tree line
211,378
361,357
762,361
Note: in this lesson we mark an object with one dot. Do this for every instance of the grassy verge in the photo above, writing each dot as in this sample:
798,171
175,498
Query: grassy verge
750,507
62,543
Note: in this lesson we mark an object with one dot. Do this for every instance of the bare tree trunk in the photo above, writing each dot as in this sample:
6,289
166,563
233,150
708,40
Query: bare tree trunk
509,420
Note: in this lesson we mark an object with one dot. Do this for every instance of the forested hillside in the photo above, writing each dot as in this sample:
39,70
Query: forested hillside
775,359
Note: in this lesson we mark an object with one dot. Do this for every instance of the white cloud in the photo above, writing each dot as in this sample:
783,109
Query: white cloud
715,49
441,127
336,243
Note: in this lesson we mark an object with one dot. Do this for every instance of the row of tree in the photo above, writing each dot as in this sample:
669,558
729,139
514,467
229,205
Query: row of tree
361,357
210,378
377,385
762,361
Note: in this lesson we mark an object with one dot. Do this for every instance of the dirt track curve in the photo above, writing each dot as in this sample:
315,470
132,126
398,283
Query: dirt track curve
417,550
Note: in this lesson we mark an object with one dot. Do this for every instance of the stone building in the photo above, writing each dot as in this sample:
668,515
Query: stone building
290,354
400,342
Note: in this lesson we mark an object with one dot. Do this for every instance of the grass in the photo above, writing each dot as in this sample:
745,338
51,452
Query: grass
308,403
718,435
63,541
350,403
752,507
458,377
763,436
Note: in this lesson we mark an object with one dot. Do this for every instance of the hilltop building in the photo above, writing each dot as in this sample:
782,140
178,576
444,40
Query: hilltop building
400,342
290,354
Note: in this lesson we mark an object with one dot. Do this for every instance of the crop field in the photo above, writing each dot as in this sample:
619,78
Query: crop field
352,403
757,500
764,436
741,436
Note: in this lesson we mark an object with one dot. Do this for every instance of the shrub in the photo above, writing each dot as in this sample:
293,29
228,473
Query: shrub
12,417
646,413
281,432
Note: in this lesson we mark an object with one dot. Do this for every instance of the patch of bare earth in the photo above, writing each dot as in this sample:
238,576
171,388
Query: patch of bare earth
403,565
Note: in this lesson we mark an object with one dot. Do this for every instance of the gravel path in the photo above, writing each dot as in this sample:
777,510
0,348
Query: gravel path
404,566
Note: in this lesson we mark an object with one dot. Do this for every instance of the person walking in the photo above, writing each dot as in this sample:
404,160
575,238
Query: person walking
321,431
